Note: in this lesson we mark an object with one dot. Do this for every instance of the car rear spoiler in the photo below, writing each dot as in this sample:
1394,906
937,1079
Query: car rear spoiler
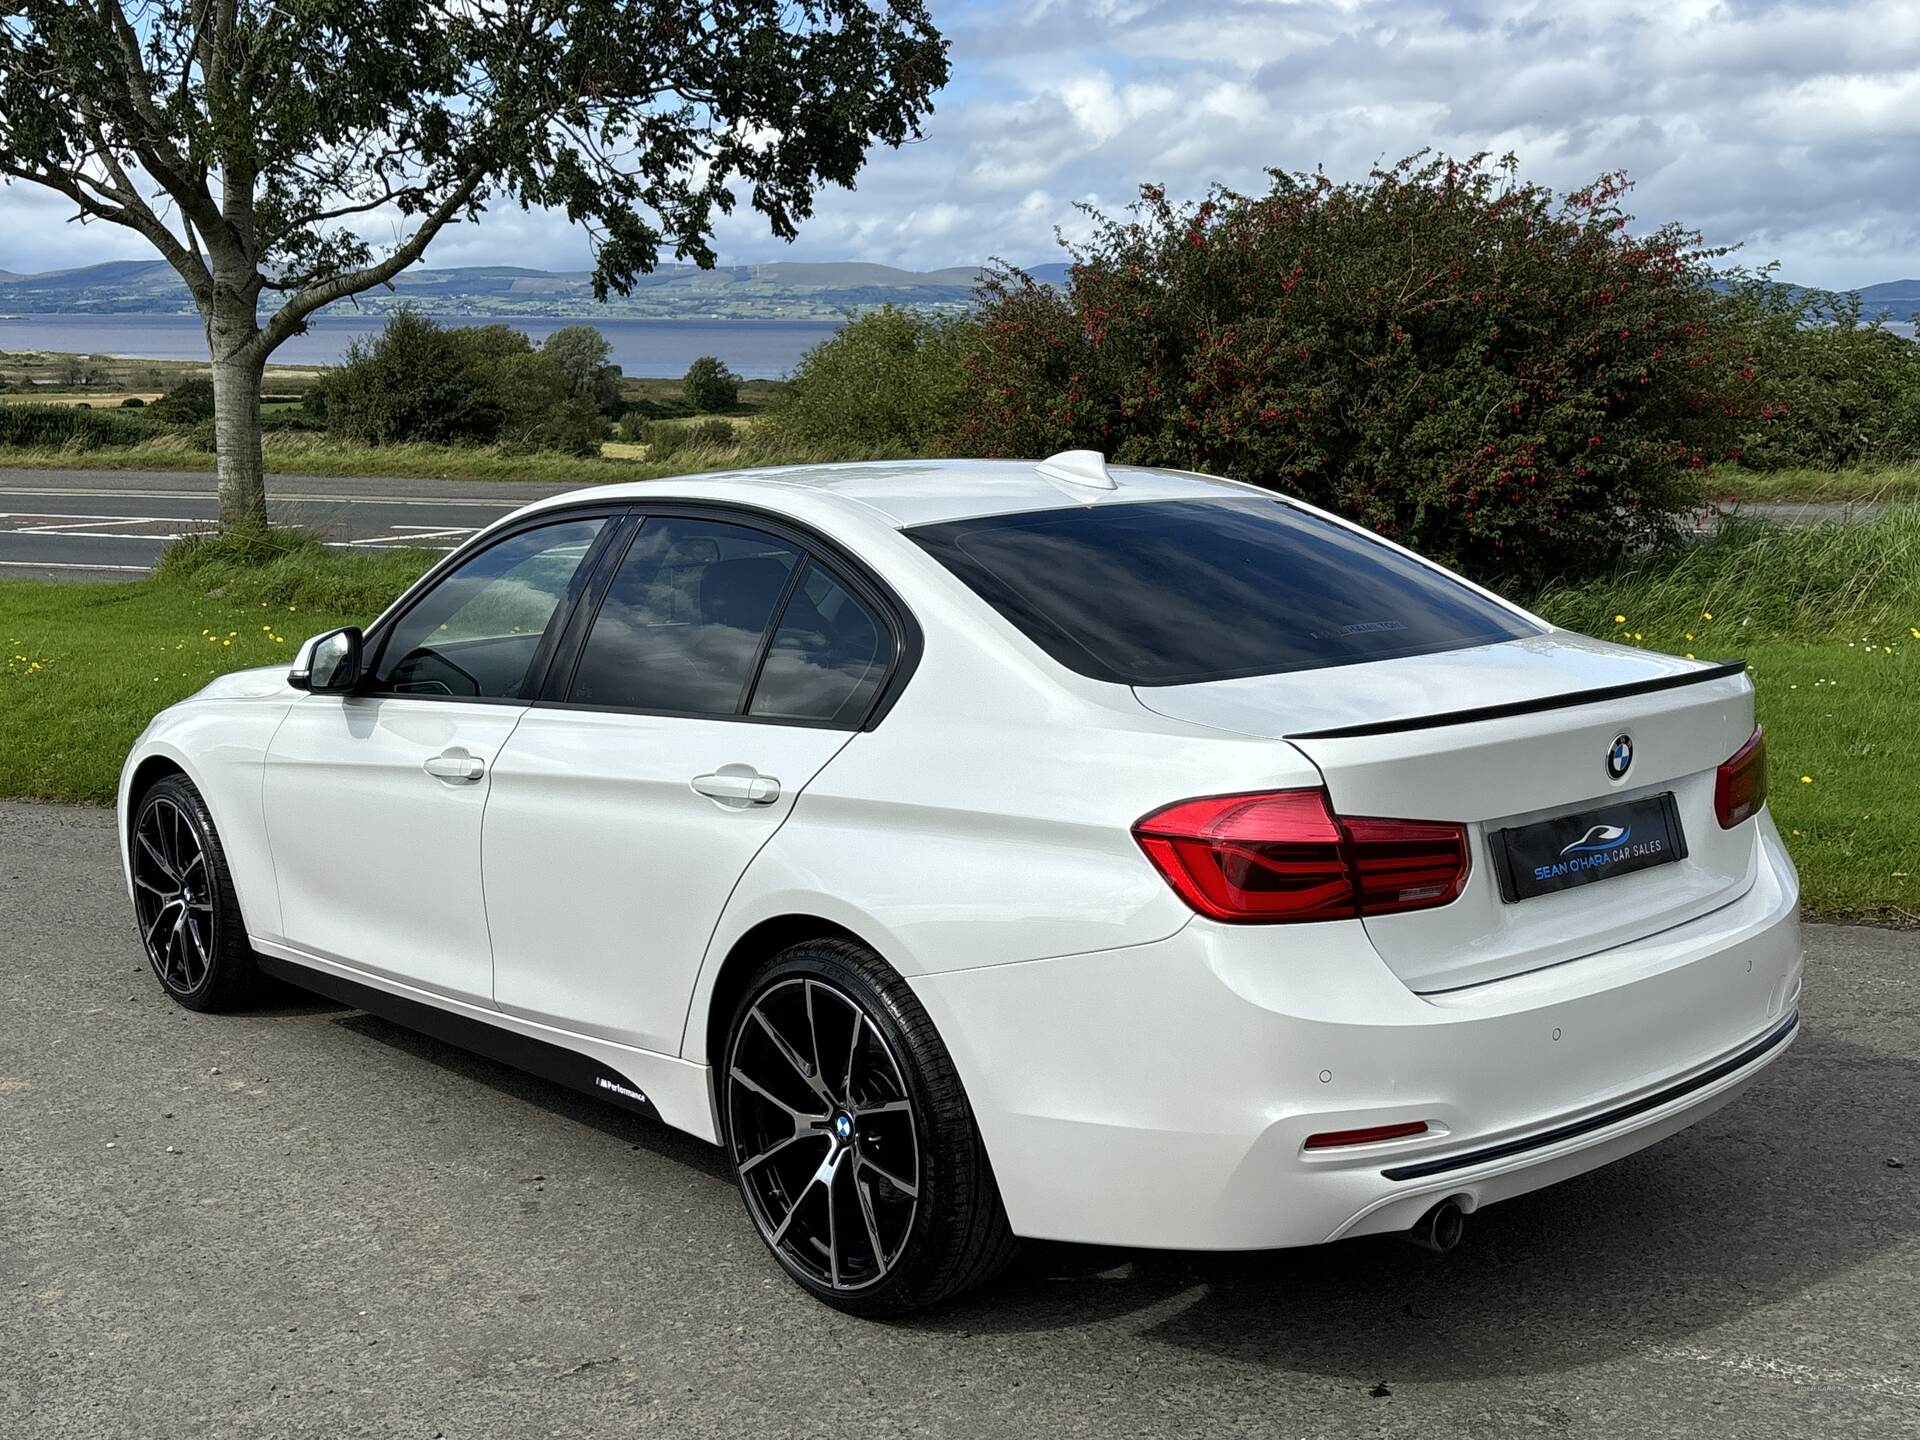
1716,671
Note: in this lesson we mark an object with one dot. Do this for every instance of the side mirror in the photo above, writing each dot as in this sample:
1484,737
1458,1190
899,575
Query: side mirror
329,663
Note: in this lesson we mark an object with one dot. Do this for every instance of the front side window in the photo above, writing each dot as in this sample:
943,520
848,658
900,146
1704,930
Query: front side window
1176,592
685,621
475,633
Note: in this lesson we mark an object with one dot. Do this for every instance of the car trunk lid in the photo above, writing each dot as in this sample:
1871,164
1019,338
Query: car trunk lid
1500,737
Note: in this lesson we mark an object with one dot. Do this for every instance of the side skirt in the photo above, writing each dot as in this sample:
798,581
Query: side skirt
523,1052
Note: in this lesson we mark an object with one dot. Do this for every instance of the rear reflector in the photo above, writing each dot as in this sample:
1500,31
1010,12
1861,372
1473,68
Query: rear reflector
1285,856
1740,786
1333,1139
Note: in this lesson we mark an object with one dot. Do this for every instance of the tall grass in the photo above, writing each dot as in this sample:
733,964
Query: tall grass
306,453
1814,581
286,567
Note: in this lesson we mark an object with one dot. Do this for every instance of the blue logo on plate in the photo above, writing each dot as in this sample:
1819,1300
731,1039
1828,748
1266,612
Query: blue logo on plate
1600,837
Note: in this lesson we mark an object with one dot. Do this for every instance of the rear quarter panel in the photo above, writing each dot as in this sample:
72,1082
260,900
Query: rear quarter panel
987,820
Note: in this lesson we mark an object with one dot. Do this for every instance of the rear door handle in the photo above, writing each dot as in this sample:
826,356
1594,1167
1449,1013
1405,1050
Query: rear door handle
738,787
455,764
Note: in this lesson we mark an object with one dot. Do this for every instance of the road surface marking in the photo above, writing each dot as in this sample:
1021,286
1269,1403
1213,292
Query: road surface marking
68,565
274,497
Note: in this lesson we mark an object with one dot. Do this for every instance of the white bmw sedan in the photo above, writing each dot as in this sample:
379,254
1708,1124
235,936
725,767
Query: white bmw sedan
991,849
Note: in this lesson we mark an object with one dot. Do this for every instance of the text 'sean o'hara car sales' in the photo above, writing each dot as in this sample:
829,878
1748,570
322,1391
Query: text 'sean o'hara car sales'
979,850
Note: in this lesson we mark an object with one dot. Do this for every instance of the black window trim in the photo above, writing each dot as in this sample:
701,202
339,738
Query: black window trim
374,642
834,559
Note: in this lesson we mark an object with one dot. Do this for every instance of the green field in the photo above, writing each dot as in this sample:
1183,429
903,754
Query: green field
1828,618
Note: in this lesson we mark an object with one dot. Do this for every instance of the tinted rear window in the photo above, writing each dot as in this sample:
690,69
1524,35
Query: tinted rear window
1174,592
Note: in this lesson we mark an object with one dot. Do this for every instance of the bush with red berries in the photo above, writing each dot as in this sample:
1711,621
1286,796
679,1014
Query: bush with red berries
1510,381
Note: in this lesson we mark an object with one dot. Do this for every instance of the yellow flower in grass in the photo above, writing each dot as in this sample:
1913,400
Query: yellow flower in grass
1619,619
1706,614
1806,779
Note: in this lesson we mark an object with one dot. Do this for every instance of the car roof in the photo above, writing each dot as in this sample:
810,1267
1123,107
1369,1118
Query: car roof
904,493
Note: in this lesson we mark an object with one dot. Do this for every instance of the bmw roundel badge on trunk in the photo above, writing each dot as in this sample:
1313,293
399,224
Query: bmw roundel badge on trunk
1620,757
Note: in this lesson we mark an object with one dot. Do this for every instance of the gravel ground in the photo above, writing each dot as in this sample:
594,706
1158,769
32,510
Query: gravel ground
307,1222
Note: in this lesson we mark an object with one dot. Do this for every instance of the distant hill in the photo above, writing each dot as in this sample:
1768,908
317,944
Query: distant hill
789,290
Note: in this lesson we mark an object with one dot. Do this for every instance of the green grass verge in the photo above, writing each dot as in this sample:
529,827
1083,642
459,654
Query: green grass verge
1828,617
84,667
1891,482
304,453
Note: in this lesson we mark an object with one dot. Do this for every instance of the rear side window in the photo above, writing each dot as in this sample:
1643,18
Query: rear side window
827,659
1176,592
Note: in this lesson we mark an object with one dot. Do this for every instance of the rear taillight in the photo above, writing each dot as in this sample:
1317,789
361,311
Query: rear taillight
1740,786
1284,855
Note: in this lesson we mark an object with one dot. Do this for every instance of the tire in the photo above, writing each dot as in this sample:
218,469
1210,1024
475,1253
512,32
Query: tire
907,1214
190,926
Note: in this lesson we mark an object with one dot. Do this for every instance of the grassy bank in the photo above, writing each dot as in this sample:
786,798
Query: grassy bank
1828,617
304,453
1890,482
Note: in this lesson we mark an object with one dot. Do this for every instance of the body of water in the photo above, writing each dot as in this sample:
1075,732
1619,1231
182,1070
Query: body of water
756,349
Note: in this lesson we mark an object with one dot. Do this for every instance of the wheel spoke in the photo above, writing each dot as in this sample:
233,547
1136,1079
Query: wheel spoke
774,1149
885,1107
152,888
199,858
825,1172
740,1077
813,1034
166,868
873,1225
806,1072
853,1053
153,926
911,1191
199,949
833,1227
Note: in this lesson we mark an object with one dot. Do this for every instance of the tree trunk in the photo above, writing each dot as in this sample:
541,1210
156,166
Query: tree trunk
236,441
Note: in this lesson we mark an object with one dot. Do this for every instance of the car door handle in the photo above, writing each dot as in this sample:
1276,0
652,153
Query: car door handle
455,765
738,787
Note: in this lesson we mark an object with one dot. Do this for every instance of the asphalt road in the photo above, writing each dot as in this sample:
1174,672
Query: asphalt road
304,1222
113,524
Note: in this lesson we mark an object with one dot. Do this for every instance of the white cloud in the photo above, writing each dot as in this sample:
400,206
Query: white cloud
1789,125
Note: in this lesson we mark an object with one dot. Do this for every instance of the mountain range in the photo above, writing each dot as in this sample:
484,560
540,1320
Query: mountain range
787,290
782,291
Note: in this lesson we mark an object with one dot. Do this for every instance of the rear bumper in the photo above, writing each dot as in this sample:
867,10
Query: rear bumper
1161,1095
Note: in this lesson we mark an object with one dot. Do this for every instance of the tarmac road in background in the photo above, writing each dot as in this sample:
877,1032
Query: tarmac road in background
113,524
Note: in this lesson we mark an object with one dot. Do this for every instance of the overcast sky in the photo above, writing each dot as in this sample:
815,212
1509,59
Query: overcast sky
1790,128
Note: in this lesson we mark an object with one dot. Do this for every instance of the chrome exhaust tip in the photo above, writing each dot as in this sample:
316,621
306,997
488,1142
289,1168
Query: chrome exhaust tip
1440,1228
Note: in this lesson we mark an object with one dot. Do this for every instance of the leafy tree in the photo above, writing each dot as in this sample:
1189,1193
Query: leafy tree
186,403
1511,381
584,358
890,382
710,385
245,138
475,384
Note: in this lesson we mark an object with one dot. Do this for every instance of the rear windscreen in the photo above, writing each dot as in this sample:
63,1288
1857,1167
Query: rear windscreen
1174,592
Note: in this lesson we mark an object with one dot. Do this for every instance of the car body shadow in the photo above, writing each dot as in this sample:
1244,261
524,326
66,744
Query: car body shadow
1764,1199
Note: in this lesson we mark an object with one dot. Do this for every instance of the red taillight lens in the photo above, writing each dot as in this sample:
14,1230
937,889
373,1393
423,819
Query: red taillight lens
1740,787
1285,855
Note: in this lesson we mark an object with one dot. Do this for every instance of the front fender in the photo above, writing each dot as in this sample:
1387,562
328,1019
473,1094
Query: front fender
220,744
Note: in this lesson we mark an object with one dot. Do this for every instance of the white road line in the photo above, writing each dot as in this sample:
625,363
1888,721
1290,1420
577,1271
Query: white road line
273,497
424,534
67,565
